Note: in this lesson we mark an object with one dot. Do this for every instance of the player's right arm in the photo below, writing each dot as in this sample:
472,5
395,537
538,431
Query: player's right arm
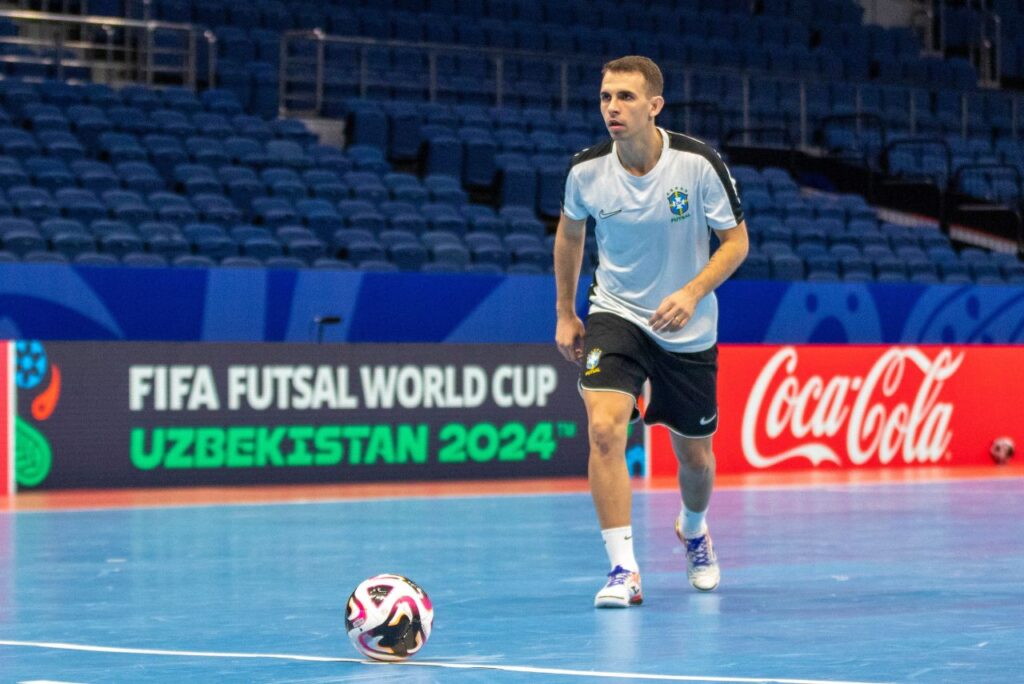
568,256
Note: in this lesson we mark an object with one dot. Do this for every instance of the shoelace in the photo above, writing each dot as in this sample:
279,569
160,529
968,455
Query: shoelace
618,576
698,550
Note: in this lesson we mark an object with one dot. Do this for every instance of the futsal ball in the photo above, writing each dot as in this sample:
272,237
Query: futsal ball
388,617
1002,450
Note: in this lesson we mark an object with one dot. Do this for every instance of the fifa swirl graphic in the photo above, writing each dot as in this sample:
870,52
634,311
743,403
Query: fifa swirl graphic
33,455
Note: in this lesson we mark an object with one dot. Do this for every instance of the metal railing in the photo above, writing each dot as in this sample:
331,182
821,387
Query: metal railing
110,49
990,50
319,72
305,82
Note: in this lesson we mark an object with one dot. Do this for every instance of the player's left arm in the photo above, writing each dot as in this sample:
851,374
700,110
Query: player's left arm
677,308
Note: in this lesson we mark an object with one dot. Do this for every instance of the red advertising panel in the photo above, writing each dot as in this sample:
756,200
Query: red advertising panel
859,407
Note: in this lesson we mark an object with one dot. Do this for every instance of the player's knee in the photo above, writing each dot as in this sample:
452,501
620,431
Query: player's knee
607,435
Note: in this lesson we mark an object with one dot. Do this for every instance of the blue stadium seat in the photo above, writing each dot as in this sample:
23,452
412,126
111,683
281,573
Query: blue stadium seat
51,227
444,217
206,150
889,269
93,259
61,145
49,173
325,184
261,247
167,245
44,257
140,96
444,155
32,203
16,142
20,236
361,250
242,184
193,261
89,174
368,158
366,185
245,151
144,259
284,182
320,215
445,189
139,176
447,257
273,211
212,125
787,267
172,207
80,204
249,126
479,150
173,122
216,208
119,243
550,186
522,220
517,181
180,99
60,93
287,153
330,158
235,261
209,240
754,267
131,120
12,173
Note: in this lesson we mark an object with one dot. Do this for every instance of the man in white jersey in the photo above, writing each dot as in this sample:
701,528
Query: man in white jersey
655,196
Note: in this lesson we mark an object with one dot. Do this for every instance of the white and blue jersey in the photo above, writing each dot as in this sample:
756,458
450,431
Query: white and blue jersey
653,232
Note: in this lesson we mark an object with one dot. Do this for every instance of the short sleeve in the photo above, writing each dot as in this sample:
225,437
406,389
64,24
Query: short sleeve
721,201
572,202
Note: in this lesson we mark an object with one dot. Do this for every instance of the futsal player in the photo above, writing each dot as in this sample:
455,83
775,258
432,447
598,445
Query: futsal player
655,196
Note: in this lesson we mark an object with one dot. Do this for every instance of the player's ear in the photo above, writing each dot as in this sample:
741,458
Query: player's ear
657,104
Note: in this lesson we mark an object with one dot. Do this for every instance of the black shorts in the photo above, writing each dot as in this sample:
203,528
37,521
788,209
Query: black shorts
621,357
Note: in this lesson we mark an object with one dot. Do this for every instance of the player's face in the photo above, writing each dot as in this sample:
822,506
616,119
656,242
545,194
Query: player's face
625,105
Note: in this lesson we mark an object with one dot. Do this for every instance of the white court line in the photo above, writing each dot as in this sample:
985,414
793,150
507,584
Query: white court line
420,663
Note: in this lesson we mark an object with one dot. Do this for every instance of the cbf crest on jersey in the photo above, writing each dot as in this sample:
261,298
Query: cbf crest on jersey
678,203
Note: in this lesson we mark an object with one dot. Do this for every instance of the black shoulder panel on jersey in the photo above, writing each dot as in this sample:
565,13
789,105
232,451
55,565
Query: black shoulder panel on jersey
684,143
587,153
592,152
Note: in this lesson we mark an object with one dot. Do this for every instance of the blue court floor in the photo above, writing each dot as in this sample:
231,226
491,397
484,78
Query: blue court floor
871,583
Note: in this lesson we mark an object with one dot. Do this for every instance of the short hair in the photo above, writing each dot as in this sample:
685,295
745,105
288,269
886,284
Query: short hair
642,65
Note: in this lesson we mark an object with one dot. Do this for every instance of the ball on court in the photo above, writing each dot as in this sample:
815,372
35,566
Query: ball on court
388,617
1002,450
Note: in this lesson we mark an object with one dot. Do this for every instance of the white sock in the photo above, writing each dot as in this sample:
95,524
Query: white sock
692,524
618,542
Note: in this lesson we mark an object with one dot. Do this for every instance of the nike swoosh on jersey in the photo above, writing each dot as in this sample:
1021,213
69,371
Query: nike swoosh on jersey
608,214
705,421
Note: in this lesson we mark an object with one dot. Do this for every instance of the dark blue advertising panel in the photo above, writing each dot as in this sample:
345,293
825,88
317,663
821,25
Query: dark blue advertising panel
74,302
111,414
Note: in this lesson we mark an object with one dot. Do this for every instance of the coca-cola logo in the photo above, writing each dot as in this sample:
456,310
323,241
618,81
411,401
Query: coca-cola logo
892,410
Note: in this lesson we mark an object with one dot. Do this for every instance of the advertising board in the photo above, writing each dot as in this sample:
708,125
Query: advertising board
800,407
103,414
